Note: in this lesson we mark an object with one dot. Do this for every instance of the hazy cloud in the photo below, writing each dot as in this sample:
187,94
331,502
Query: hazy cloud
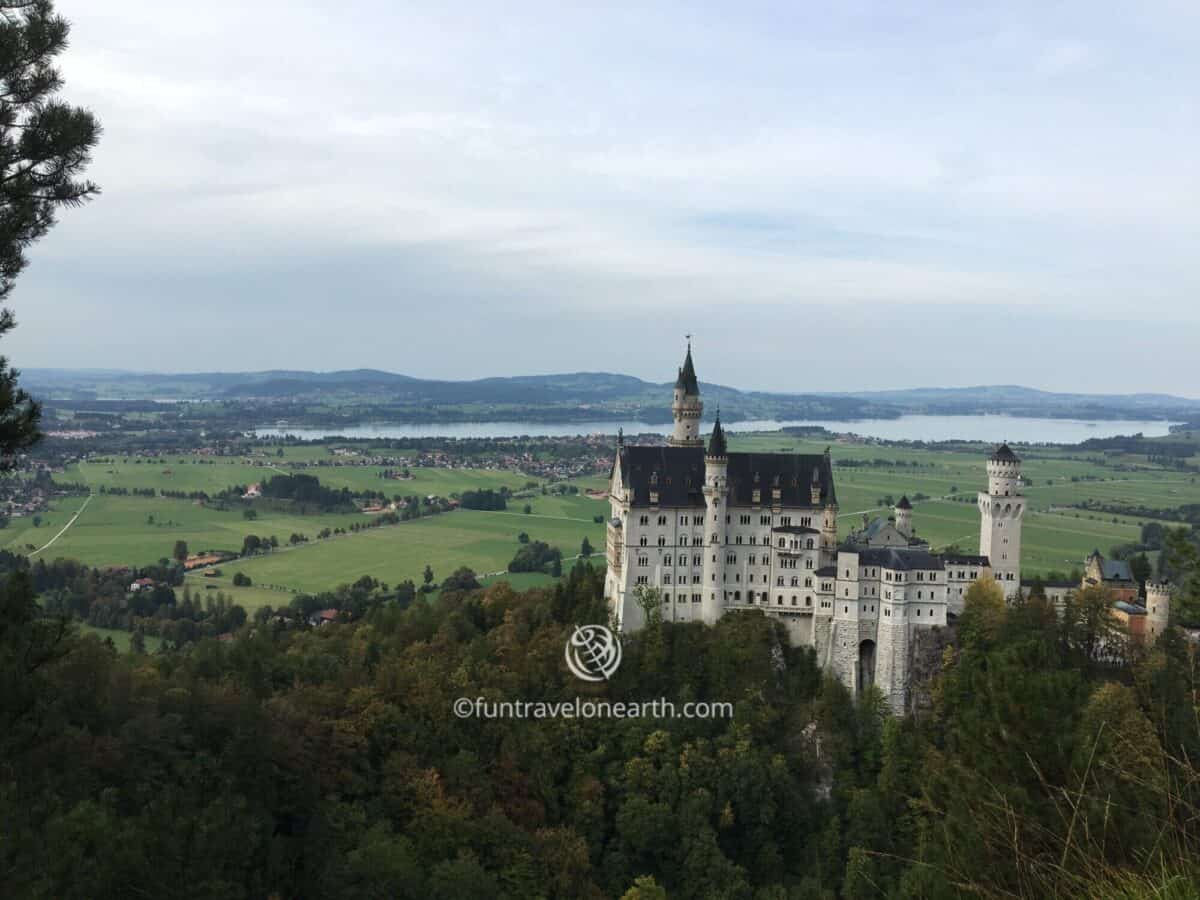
420,188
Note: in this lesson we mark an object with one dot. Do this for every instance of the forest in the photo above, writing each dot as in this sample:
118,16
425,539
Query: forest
327,762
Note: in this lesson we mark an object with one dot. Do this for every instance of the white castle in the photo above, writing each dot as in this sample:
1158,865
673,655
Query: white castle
716,531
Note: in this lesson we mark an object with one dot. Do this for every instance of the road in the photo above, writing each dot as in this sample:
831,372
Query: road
50,542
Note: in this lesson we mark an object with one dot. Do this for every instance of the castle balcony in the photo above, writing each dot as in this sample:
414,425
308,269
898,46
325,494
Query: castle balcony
614,543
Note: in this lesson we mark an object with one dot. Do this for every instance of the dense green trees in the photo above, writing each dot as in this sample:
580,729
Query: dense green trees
328,762
484,498
536,556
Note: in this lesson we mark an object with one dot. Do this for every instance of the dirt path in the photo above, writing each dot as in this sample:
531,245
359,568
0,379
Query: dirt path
50,542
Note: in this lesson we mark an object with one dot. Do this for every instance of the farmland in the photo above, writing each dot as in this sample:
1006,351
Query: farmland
133,529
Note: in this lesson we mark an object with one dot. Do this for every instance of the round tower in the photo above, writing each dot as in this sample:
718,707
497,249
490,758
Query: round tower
1000,513
903,512
686,406
716,490
1158,608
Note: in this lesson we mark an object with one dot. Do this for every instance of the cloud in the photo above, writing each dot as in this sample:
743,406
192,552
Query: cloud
770,162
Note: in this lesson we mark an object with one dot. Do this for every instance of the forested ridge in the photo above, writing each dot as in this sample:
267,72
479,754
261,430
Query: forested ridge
327,762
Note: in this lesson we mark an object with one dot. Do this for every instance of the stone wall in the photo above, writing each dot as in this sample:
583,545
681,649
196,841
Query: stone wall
926,650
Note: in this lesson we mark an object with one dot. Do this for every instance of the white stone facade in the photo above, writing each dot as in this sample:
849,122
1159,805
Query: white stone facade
715,531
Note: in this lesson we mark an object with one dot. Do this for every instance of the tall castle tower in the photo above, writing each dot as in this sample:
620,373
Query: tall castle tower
1158,608
686,406
903,513
1001,510
716,489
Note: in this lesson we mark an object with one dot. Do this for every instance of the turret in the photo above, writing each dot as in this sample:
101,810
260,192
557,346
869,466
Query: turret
686,406
1004,472
1158,608
903,513
716,469
1000,514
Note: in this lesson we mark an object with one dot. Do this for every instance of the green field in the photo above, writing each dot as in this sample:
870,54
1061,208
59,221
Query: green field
133,530
484,541
120,638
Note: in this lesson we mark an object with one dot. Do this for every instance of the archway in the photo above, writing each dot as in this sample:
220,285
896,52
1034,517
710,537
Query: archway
866,665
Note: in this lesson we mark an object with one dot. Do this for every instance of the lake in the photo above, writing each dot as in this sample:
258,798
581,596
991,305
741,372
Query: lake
992,428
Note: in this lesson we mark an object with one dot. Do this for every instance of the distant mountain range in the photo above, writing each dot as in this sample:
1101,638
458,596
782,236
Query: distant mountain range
577,396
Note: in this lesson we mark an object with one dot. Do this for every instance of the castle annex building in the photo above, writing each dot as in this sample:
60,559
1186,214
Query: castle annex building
716,531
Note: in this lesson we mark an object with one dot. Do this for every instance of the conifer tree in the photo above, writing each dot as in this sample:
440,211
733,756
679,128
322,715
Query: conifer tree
45,145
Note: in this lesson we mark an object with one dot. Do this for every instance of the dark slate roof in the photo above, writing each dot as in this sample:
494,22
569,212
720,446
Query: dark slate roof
716,443
826,572
792,473
687,375
904,504
1116,570
877,525
1130,609
1004,454
961,560
899,558
677,474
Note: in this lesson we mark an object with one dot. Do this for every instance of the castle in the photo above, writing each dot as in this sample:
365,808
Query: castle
716,531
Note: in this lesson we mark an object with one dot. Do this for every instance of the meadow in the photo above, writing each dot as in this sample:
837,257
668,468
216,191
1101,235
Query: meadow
137,530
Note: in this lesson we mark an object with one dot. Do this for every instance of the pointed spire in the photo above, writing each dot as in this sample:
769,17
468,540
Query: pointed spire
620,438
716,443
687,374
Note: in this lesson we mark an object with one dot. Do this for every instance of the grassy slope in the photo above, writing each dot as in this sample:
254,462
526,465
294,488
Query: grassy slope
117,530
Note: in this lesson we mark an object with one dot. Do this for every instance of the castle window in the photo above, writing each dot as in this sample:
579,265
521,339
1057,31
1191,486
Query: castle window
662,520
644,520
642,541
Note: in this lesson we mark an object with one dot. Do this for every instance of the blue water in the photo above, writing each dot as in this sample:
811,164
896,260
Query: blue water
991,428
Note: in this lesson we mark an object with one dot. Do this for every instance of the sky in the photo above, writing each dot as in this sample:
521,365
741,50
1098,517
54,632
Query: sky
827,196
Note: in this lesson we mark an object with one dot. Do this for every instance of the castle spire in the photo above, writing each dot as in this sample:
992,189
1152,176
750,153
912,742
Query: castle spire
686,405
687,375
716,443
